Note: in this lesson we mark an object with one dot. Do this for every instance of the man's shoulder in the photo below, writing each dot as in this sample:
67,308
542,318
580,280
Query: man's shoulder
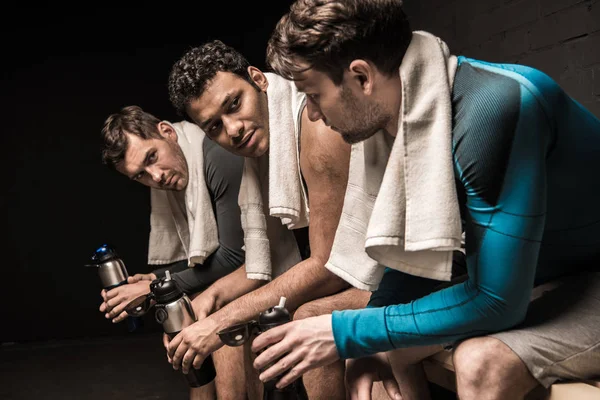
217,155
478,89
486,110
322,150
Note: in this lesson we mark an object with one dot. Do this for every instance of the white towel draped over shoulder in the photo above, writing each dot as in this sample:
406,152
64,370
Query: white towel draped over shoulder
287,198
183,225
272,196
402,210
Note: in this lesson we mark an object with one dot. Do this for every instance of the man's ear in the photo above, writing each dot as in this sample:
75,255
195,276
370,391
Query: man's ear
166,130
362,74
258,77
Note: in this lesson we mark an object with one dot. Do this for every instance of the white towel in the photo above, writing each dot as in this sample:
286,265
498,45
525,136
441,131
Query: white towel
183,225
287,196
404,209
272,196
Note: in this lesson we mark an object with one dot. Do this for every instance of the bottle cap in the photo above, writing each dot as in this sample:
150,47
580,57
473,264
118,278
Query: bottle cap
165,289
281,302
102,254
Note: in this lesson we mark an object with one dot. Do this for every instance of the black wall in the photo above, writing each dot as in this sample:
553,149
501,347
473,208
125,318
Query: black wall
559,37
63,73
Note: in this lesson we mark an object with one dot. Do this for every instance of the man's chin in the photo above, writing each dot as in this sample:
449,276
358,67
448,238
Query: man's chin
181,185
354,138
257,151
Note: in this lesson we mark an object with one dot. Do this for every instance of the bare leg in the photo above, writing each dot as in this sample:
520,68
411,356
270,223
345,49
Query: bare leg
206,392
408,370
230,380
328,382
253,384
486,368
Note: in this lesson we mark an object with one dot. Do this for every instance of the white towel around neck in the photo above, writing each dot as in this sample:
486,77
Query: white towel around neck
183,225
272,197
401,205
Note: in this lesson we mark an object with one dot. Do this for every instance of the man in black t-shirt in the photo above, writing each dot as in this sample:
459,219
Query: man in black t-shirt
146,149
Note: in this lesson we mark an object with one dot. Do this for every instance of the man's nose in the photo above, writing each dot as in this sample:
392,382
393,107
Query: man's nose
314,111
156,174
234,127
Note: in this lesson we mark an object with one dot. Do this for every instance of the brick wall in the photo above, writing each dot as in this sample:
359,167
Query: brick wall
559,37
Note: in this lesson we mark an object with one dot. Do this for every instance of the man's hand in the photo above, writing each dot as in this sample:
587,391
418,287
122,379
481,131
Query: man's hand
193,344
203,304
302,345
363,372
115,300
141,277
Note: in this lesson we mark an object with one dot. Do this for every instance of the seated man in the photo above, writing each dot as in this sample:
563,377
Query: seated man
195,217
291,163
443,139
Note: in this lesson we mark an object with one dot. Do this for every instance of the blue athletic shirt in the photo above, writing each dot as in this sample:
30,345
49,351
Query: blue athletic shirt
527,167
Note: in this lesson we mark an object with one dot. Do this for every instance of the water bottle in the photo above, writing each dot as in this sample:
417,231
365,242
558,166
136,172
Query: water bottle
268,319
173,309
113,273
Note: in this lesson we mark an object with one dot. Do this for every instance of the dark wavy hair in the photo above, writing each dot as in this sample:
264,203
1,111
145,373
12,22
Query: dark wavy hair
130,119
197,67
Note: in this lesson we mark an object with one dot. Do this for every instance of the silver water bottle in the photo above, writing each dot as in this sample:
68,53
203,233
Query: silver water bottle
112,273
173,309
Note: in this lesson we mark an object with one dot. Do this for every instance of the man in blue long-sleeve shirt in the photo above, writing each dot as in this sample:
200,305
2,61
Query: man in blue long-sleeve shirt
525,162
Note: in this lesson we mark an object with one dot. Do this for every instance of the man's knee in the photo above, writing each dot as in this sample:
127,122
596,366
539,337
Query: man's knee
485,362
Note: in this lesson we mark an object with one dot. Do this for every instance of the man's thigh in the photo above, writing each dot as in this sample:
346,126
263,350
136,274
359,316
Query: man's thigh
230,366
560,336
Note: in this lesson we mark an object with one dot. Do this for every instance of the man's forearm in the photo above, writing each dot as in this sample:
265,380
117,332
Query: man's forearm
303,282
231,286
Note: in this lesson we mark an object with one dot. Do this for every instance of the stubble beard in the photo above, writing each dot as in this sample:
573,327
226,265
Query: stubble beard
366,119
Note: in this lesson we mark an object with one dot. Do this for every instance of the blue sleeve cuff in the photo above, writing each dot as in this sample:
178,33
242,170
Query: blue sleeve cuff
359,333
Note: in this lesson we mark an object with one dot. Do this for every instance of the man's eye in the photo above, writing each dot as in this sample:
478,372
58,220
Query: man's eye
138,176
313,97
214,127
234,104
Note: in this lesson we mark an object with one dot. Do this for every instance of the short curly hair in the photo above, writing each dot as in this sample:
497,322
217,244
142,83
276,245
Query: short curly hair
329,34
198,66
132,120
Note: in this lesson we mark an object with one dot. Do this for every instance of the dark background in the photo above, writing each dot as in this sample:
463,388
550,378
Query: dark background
63,73
65,70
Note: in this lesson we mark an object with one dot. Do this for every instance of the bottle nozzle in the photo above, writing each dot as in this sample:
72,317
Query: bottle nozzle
281,302
167,275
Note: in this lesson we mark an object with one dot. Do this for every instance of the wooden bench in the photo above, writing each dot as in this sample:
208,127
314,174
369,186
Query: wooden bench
440,370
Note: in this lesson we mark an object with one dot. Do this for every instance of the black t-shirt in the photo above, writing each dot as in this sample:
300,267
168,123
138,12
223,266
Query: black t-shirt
223,174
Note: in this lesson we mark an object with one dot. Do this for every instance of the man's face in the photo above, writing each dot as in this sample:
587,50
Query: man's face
234,113
343,108
157,163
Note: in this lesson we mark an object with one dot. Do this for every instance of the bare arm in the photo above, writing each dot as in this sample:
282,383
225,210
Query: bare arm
324,163
228,288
